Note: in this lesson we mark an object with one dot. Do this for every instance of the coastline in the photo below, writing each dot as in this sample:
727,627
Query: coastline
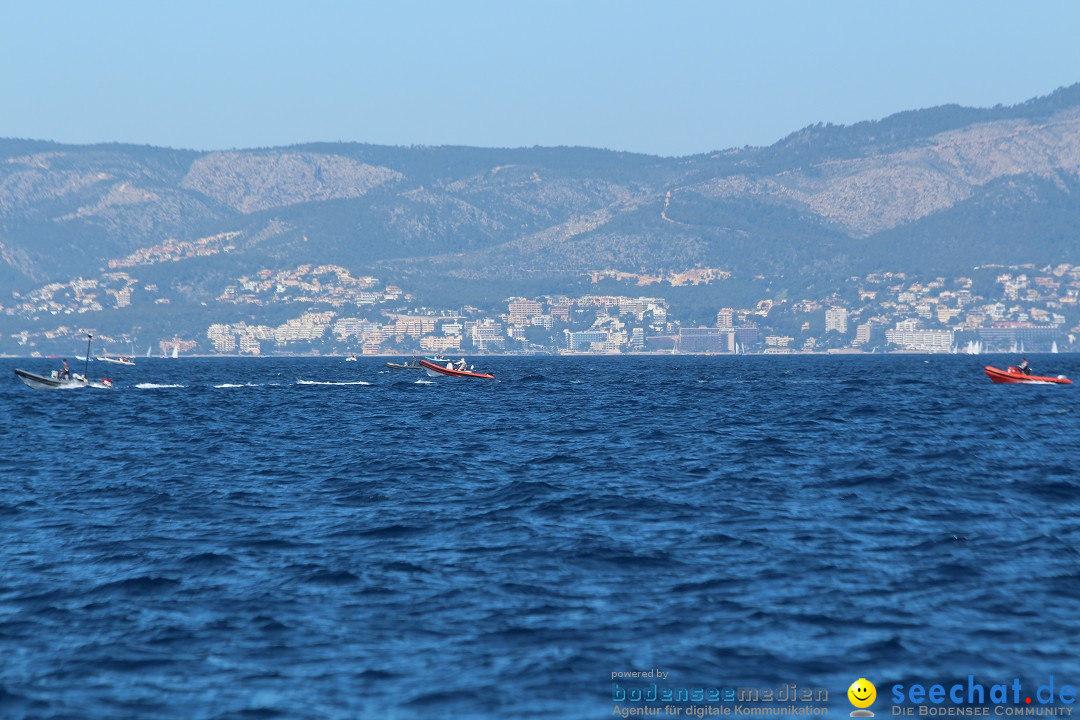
833,352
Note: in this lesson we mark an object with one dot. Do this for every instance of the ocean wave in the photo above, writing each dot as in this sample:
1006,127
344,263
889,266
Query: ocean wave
332,382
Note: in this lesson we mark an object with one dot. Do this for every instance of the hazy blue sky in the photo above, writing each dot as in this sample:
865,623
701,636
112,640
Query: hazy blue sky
660,77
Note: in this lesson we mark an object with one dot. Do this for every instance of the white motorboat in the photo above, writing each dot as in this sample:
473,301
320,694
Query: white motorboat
411,365
118,360
63,380
53,381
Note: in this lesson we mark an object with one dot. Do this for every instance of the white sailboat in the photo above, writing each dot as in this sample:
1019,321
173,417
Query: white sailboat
175,351
147,351
1053,347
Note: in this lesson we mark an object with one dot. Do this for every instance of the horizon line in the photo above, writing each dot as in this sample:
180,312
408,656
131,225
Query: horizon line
512,148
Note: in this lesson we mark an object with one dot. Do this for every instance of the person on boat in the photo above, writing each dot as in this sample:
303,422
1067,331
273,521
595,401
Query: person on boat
461,365
65,372
1024,366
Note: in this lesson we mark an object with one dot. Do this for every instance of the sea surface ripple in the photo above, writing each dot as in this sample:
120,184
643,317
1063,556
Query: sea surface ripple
309,538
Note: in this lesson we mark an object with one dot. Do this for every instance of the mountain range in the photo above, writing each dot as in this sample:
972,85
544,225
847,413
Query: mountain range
932,191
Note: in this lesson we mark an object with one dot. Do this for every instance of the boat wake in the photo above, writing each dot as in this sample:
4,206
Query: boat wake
155,386
330,382
422,381
236,385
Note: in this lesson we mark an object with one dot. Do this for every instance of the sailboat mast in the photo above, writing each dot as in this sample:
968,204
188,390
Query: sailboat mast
86,363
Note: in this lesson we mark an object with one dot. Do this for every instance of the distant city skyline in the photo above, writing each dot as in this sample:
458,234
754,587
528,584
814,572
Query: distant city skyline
643,77
335,311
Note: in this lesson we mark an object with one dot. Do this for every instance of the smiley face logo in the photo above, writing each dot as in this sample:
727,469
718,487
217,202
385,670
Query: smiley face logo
862,694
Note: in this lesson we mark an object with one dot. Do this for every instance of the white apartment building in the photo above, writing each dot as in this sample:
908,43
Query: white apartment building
862,334
521,310
222,337
930,341
250,345
440,344
836,319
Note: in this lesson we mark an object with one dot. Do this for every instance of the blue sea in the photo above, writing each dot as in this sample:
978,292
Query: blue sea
309,538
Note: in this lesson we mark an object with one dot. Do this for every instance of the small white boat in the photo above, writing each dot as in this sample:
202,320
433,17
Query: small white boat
411,365
53,381
69,380
118,360
351,358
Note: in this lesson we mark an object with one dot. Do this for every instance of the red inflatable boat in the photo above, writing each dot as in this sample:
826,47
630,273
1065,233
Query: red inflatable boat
434,370
1013,375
